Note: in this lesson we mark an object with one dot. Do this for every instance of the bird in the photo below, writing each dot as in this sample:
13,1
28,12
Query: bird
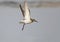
26,15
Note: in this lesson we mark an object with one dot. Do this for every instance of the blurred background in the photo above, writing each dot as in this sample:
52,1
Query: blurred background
31,3
46,12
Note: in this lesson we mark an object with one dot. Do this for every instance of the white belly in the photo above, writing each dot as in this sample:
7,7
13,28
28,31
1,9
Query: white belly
27,21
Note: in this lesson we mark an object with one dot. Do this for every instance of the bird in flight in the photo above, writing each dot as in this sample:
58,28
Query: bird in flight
26,15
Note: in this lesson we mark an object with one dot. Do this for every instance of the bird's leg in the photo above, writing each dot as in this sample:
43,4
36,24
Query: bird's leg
23,26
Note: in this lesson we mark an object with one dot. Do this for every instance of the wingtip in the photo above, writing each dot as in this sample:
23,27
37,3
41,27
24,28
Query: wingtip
22,29
19,5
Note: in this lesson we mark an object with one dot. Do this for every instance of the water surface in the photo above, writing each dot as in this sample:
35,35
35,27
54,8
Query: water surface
46,30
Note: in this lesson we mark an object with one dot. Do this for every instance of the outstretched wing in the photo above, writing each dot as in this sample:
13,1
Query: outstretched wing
27,11
22,10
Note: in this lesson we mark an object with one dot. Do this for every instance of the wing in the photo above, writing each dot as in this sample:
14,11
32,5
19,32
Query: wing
27,11
22,10
23,27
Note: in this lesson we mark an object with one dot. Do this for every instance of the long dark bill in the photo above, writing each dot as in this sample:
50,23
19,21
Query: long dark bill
23,27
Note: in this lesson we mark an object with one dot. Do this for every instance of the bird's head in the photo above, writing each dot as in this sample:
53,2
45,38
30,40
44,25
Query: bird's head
33,20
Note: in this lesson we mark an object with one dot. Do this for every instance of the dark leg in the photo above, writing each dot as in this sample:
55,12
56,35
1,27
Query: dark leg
23,26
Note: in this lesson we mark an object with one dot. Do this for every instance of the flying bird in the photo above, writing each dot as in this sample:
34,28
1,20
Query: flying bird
26,15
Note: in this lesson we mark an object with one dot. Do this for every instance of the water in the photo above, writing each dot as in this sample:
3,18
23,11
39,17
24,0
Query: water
47,30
